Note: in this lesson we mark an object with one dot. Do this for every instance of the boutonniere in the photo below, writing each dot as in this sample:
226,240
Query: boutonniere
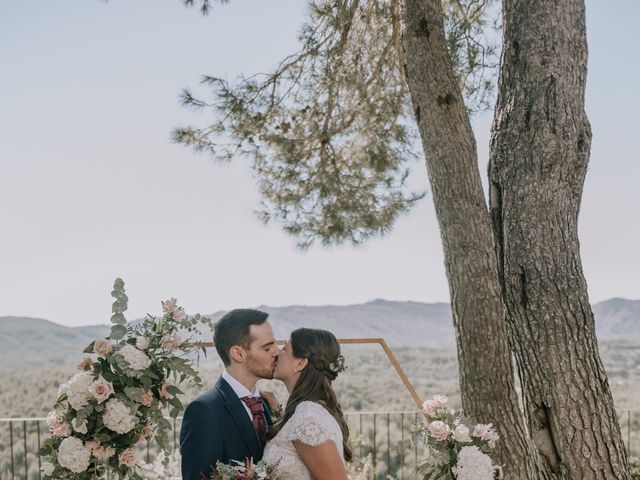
277,411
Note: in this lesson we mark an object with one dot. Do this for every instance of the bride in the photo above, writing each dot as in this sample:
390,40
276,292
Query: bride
310,442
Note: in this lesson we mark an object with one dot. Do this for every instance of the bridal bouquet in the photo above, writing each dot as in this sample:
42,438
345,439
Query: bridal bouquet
456,447
244,471
119,396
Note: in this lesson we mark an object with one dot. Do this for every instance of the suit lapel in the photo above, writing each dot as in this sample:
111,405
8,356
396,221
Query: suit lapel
237,412
267,411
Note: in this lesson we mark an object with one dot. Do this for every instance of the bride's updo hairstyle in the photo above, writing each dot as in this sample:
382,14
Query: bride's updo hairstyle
322,350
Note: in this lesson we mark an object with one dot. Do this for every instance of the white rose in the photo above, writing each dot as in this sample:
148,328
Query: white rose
142,342
461,434
78,393
47,468
73,455
136,359
102,347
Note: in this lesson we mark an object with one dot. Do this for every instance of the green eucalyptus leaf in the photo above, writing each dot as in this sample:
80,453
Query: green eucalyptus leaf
118,332
118,318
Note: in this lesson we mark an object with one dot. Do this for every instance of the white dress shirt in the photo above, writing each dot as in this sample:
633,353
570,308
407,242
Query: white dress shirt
240,390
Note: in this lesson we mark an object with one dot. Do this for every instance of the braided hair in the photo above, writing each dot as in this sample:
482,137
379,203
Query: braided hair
322,351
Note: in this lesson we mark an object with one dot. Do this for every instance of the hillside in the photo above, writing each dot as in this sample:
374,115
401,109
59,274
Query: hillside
32,342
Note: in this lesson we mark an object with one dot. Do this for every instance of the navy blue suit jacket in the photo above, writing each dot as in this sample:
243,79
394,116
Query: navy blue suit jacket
216,427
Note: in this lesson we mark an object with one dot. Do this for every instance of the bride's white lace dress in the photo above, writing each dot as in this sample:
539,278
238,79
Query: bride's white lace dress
312,425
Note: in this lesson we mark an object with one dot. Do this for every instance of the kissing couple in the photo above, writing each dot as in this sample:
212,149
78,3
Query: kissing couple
233,421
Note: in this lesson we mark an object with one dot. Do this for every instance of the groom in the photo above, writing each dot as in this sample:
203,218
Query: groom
229,421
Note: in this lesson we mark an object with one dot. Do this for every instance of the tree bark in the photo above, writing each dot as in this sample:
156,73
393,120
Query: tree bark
539,154
486,372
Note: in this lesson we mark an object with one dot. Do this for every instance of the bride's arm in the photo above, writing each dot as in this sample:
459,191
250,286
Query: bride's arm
323,461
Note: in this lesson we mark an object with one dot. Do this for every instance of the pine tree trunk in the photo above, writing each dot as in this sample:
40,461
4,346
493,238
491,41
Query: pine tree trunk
539,155
485,362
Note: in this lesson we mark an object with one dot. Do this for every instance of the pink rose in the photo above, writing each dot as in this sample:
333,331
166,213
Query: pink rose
102,347
487,433
58,428
179,315
171,342
147,431
103,453
101,389
147,398
85,363
169,306
163,390
91,445
438,430
128,457
430,407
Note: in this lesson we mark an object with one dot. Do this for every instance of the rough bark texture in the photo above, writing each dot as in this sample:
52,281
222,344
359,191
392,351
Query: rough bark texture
539,154
485,362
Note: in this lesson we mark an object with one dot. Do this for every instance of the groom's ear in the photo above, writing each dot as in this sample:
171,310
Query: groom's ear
238,354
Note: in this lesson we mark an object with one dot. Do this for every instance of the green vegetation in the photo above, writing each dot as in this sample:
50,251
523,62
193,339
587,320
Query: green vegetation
370,384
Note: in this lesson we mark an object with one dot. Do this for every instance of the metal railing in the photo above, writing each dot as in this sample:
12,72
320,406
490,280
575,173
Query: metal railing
384,436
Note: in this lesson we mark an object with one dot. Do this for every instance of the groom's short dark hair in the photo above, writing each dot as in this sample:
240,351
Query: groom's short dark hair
233,329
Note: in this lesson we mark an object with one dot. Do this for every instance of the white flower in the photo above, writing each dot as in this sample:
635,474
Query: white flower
473,465
136,359
47,468
142,342
79,427
117,417
461,434
73,455
78,392
487,433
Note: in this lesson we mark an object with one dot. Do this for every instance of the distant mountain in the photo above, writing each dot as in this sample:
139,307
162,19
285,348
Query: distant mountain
617,318
35,342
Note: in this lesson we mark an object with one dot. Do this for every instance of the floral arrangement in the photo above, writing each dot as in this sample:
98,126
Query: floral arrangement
244,471
456,447
119,396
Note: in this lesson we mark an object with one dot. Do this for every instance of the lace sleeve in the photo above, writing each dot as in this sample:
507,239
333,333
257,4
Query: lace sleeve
312,425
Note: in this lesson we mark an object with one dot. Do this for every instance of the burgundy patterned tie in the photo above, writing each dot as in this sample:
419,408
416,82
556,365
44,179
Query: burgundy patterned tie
257,412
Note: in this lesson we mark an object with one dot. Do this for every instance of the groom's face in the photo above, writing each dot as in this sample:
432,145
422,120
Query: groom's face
263,352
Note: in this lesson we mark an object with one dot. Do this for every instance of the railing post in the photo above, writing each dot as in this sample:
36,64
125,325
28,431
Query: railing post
375,448
629,432
402,446
13,473
388,443
38,452
26,464
361,436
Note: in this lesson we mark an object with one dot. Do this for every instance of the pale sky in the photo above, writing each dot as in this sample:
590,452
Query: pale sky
91,188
